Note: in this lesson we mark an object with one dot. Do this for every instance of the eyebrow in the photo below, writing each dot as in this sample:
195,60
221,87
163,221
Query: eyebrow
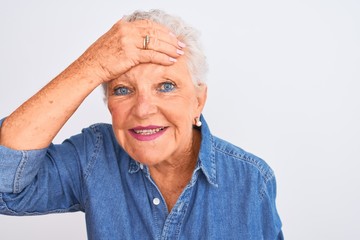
126,78
117,80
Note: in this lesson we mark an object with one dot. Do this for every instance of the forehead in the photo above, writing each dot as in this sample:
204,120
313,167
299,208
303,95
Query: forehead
177,72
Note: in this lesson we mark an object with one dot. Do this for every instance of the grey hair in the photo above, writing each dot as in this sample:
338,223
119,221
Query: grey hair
196,62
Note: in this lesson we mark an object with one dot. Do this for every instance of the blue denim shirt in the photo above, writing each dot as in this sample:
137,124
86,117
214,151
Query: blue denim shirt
231,194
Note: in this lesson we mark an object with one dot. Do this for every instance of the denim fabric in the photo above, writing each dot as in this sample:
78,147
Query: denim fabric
231,194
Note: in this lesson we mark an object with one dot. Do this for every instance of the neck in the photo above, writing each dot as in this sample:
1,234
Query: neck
171,177
183,163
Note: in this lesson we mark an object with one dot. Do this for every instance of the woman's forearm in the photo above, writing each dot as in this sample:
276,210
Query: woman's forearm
36,122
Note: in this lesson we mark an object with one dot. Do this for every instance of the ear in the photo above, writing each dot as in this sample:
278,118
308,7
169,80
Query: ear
201,95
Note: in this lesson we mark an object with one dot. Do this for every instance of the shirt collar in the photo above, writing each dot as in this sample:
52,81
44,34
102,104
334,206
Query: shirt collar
206,161
134,166
207,153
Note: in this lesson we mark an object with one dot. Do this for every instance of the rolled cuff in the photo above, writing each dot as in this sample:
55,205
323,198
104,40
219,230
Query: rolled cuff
18,168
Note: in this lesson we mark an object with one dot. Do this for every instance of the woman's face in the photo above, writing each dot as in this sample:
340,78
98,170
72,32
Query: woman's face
153,109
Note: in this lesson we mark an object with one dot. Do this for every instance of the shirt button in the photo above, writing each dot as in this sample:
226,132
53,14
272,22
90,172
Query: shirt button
141,166
156,201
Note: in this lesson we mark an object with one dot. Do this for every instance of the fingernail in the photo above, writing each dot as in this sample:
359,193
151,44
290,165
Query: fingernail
172,34
172,59
180,52
181,44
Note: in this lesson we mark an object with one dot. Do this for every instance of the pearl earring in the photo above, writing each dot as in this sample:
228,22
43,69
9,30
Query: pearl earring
198,123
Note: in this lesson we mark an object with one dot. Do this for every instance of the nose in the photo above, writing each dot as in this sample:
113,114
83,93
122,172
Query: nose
144,106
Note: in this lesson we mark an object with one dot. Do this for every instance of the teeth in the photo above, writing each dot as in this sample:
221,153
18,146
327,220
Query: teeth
148,131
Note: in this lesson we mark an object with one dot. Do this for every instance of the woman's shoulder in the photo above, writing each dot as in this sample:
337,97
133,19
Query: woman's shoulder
96,130
94,136
229,153
99,128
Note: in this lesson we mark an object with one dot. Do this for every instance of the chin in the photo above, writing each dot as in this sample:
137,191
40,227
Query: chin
146,160
145,154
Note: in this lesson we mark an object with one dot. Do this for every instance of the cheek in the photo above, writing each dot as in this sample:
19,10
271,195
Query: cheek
118,113
118,121
187,106
181,111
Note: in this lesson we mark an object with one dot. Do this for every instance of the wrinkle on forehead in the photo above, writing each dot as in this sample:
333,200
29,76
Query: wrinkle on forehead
148,71
141,73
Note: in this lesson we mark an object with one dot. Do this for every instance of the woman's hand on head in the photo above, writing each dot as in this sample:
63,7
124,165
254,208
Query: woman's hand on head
122,48
37,121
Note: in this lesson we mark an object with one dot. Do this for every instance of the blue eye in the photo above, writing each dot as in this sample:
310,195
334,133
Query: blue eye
167,87
121,91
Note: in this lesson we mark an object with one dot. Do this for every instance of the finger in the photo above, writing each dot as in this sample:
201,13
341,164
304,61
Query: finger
158,31
151,56
163,36
156,44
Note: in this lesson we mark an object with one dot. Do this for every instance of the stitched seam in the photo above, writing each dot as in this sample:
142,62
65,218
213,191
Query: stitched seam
213,162
95,153
93,158
211,174
267,174
263,189
19,171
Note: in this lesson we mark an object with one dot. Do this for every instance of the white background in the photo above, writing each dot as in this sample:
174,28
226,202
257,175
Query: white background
283,84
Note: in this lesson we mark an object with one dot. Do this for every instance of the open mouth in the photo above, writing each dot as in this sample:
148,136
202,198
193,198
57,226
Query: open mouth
148,131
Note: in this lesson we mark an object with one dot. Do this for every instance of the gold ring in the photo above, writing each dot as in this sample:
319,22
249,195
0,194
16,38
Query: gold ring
146,42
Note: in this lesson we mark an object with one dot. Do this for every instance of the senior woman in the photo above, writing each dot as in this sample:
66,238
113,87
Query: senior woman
156,172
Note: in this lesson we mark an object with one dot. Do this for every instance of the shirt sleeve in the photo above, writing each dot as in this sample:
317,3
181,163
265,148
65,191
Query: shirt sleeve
42,181
272,225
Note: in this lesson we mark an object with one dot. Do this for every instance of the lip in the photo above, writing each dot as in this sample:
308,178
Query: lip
149,136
